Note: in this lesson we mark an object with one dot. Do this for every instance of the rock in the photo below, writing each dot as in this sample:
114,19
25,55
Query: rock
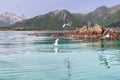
98,30
113,33
94,33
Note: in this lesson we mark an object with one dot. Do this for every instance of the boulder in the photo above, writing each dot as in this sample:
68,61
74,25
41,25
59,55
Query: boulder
98,30
113,33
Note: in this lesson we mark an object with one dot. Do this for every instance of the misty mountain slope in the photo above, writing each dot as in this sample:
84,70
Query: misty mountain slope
7,19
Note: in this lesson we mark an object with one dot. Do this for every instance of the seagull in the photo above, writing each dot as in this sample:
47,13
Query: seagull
56,42
17,6
67,24
64,25
107,35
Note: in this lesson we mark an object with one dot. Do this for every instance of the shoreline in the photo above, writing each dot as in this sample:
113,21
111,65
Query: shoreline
92,33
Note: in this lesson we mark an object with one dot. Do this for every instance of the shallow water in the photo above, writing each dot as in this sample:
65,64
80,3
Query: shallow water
25,57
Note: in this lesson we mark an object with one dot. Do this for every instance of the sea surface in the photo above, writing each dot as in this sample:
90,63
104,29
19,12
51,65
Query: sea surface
24,57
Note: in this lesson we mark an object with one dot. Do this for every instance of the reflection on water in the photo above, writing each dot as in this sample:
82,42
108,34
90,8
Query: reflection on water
107,44
68,66
25,57
104,60
56,49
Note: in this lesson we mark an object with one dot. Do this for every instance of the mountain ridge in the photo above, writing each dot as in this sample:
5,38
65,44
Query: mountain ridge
105,16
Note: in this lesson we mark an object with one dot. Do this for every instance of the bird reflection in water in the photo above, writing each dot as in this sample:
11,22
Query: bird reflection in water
56,49
105,60
67,67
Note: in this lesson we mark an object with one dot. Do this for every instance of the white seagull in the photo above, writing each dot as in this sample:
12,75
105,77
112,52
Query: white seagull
56,42
64,25
108,35
67,24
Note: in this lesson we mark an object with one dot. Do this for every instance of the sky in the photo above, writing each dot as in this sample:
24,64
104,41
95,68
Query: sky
32,8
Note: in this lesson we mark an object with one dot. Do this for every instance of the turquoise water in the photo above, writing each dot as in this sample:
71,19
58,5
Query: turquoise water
25,57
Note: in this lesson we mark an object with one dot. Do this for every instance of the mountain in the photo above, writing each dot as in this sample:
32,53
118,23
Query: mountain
54,20
7,19
105,16
113,17
97,15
